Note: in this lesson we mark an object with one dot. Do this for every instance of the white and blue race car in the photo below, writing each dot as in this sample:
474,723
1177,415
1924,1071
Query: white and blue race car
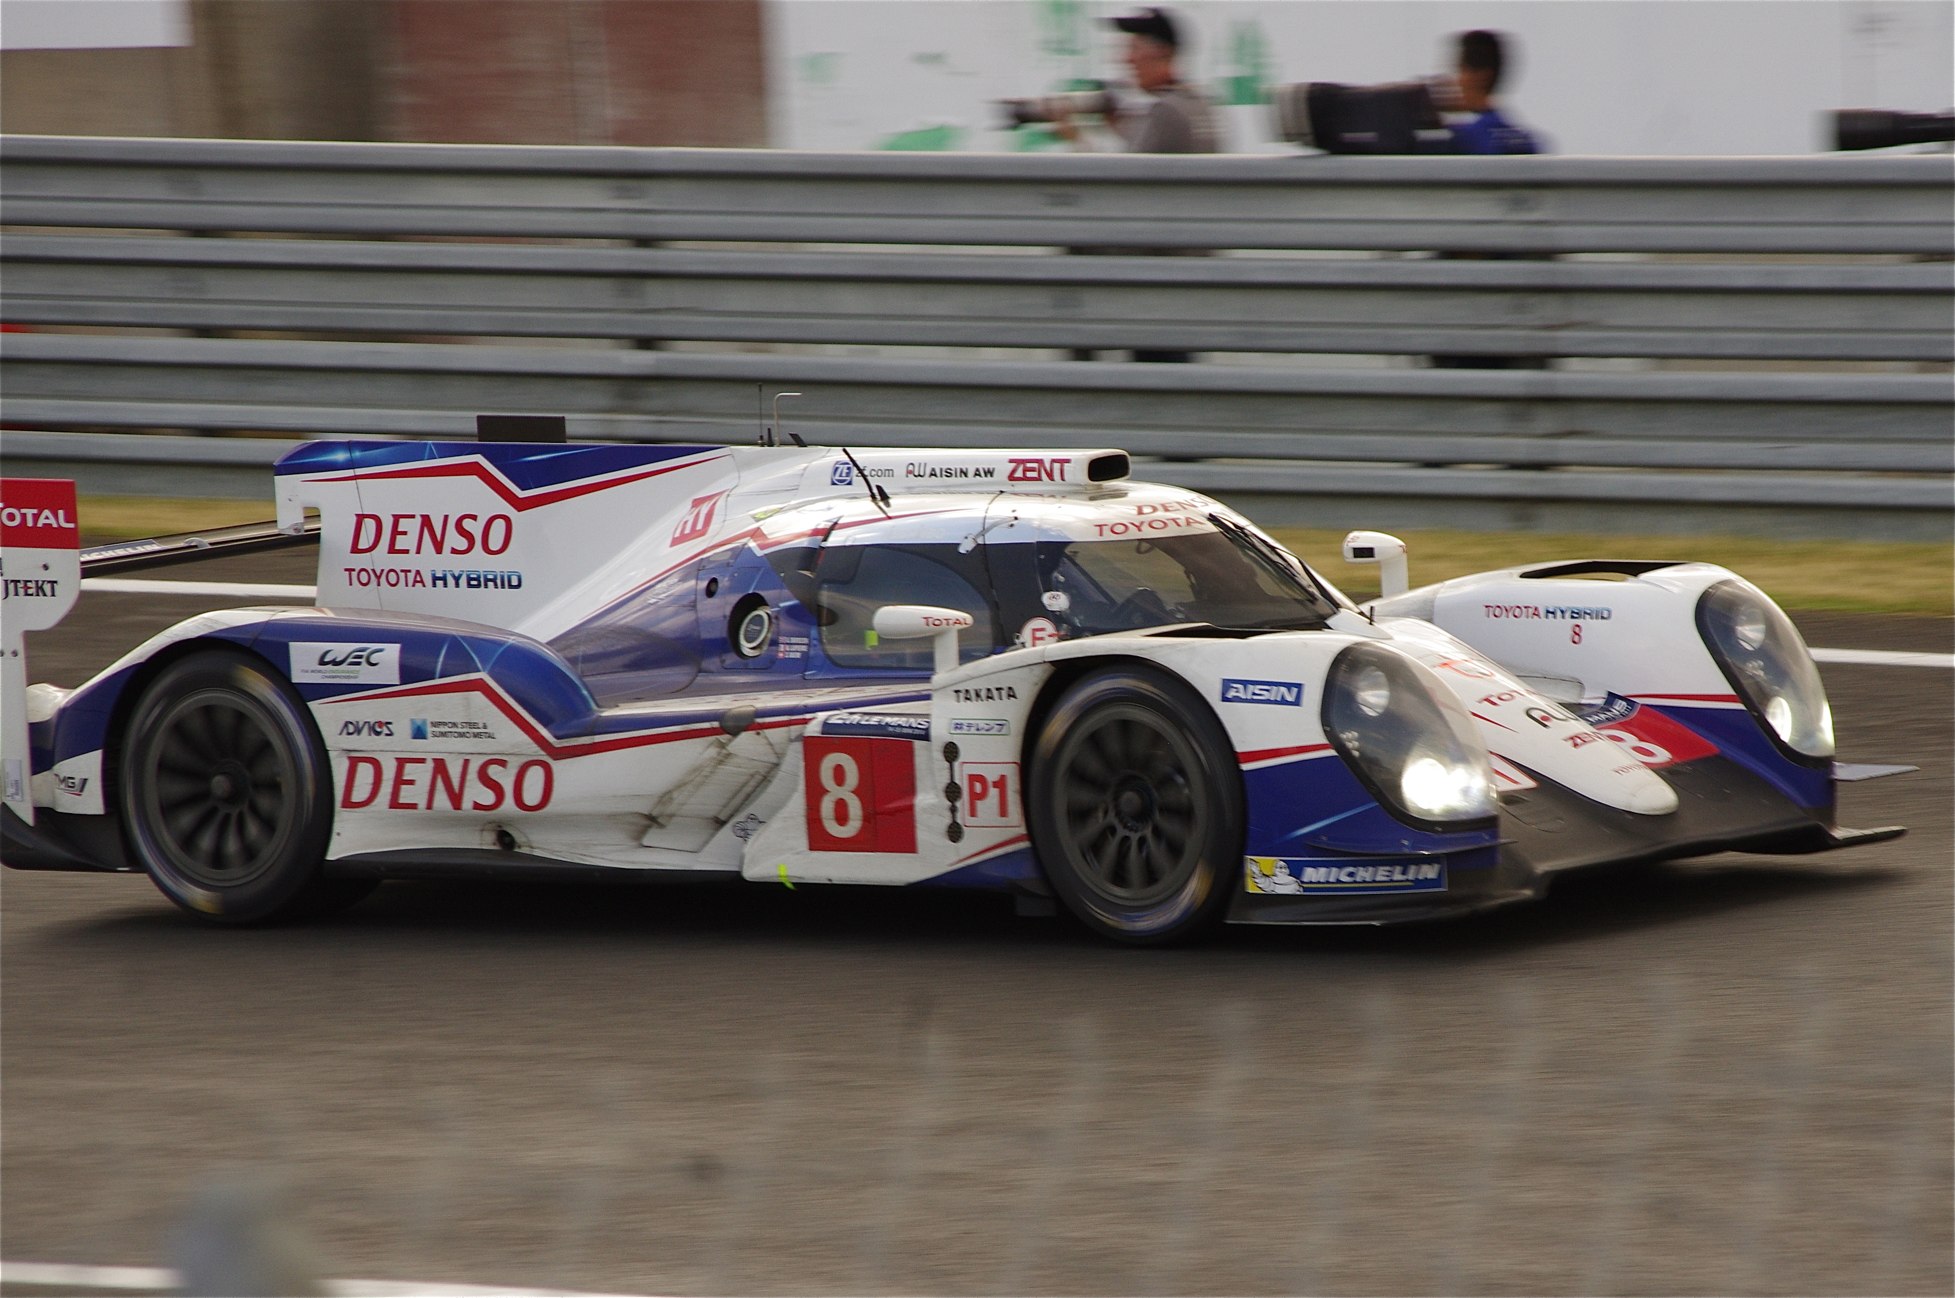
987,669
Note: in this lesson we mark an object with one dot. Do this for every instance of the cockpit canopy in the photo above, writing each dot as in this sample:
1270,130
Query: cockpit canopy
1028,570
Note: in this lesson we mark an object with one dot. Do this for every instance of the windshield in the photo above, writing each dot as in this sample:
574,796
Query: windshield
1228,577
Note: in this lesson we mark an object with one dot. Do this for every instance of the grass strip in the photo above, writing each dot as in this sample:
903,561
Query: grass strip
1819,576
1827,576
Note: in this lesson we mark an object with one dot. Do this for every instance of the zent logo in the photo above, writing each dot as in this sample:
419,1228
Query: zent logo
698,519
316,663
861,794
1042,470
1285,693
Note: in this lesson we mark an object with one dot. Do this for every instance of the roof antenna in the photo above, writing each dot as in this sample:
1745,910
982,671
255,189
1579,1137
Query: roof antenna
878,495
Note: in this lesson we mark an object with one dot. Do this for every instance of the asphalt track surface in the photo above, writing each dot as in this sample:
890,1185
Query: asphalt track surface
1731,1075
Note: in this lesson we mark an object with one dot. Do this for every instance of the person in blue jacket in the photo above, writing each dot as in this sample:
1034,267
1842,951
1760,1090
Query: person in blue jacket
1486,130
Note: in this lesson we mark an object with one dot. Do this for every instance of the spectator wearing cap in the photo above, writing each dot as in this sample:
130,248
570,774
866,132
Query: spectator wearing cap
1174,117
1486,130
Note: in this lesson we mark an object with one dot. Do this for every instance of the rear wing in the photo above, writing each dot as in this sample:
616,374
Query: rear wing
40,579
498,533
190,547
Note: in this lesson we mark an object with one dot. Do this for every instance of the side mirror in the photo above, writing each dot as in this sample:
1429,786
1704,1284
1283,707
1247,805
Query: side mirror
921,621
1385,550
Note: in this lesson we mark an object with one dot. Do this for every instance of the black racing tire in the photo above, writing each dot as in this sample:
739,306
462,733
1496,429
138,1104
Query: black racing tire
1136,807
225,793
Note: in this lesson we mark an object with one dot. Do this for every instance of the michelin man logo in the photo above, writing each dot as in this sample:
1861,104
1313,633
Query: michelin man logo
1270,875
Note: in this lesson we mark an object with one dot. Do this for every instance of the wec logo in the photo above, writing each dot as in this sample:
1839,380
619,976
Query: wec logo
327,663
1284,693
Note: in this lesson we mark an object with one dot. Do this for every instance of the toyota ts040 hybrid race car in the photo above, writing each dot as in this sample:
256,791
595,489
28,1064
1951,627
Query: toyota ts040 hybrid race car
990,669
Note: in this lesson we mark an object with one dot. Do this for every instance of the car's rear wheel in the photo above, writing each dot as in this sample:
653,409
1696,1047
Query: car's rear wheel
226,793
1136,807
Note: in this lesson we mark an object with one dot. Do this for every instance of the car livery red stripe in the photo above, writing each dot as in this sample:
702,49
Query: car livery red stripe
549,744
1258,756
510,494
984,853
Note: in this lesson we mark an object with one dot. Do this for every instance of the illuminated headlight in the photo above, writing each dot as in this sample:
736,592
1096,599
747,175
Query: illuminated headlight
1408,739
1767,663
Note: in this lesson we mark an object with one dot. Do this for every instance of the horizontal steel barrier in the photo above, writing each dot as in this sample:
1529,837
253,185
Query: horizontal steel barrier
1812,300
1561,308
1776,431
1842,204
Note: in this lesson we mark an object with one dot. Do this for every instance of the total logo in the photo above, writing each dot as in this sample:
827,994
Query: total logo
331,663
31,517
1283,693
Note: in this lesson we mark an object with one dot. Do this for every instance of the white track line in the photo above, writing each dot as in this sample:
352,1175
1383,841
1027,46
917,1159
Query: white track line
148,1279
1883,658
260,590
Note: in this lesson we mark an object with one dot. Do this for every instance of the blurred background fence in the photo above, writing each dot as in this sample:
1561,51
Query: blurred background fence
1764,339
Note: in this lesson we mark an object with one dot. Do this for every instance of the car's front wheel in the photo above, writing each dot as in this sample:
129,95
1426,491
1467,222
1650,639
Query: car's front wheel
226,793
1136,807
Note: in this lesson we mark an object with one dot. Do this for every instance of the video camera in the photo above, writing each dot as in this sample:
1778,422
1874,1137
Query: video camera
1397,117
1092,99
1873,128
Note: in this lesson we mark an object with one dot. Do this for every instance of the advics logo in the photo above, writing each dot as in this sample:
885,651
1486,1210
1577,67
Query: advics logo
1285,693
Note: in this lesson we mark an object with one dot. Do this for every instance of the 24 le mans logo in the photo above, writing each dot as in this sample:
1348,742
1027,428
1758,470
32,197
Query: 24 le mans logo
1284,693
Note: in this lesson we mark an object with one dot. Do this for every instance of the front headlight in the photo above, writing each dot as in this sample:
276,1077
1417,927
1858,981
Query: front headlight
1768,664
1408,739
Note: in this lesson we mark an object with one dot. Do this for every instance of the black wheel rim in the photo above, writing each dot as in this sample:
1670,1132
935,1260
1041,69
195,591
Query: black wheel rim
220,788
1132,804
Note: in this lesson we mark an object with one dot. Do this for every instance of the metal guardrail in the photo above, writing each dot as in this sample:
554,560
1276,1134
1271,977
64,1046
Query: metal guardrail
1857,312
1841,204
1838,263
